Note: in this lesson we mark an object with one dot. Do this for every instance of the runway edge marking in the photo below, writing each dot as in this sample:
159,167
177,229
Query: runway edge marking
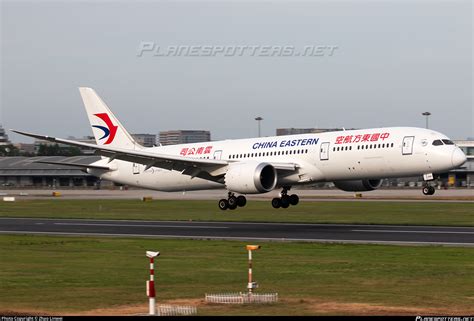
246,238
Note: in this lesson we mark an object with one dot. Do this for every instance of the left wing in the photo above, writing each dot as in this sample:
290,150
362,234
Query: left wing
210,169
195,167
83,166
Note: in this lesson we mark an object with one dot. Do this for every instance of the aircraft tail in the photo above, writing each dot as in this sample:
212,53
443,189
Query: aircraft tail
106,127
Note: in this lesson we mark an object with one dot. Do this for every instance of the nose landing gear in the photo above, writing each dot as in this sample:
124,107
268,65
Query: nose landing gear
285,200
232,202
428,190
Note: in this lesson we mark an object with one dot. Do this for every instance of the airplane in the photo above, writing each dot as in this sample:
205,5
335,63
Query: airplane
354,160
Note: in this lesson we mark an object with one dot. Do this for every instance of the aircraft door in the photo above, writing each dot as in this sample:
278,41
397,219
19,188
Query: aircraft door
217,154
407,147
324,151
136,168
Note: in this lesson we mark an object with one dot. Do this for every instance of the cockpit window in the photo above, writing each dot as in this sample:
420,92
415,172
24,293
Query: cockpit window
437,142
447,142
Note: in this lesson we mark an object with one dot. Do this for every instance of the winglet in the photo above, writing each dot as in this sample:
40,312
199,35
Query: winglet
43,137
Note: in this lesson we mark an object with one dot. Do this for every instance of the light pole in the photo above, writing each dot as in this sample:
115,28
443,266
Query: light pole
259,119
427,115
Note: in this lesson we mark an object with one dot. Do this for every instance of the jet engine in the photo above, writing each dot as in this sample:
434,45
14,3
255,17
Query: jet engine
250,177
359,185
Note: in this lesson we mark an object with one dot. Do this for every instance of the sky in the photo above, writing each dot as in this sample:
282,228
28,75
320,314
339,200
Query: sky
391,61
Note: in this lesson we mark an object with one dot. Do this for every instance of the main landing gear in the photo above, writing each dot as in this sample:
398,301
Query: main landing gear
285,200
428,190
232,202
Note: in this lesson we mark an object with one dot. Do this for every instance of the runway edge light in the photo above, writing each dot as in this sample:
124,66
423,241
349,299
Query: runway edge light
152,254
251,284
150,285
253,247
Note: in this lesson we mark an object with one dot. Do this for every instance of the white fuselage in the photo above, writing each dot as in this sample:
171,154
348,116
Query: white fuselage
321,157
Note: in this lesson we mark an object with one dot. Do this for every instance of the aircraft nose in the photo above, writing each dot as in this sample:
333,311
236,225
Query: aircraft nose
458,157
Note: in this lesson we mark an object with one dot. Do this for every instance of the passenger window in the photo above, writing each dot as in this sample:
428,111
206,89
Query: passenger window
437,142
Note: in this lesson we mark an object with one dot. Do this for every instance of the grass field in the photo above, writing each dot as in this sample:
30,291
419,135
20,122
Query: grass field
354,212
74,274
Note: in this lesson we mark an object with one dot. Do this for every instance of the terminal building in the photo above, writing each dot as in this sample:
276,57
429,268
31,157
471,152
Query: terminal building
464,176
299,131
3,137
174,137
22,171
146,140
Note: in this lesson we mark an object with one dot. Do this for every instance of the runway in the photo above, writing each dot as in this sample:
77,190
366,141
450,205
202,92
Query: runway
337,233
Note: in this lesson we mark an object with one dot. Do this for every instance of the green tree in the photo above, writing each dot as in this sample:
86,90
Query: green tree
56,150
9,150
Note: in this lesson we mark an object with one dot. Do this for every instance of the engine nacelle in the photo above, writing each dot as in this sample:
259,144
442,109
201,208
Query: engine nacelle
250,177
359,186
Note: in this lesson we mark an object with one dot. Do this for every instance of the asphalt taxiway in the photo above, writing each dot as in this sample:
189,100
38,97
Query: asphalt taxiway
337,233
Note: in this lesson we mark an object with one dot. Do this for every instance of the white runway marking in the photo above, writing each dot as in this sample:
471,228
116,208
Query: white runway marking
399,231
140,225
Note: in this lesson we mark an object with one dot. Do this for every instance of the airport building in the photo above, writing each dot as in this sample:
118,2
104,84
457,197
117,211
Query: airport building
463,176
174,137
3,137
299,131
26,172
147,140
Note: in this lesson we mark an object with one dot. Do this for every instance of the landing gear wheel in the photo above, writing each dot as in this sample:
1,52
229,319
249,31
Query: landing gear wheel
294,199
426,190
431,190
232,202
223,204
241,201
285,201
276,202
233,207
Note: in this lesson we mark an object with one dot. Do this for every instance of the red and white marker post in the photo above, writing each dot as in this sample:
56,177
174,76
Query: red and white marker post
150,285
251,285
